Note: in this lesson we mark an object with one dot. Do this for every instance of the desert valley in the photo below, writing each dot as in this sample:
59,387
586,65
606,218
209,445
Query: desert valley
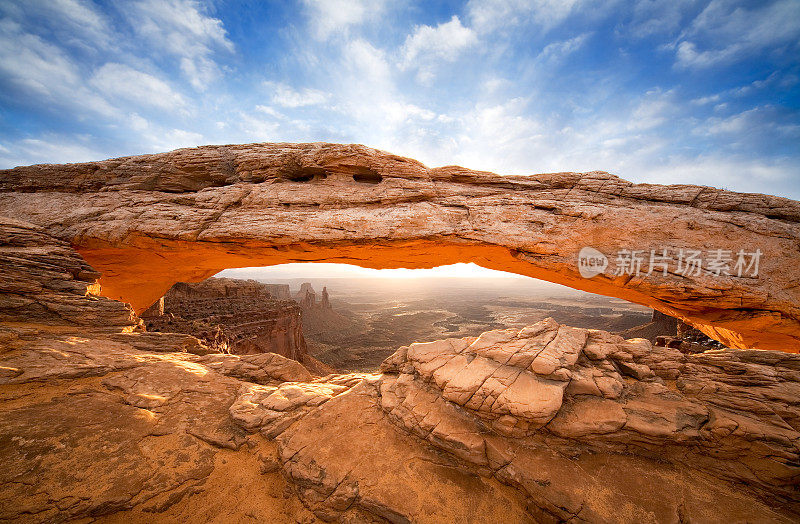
361,321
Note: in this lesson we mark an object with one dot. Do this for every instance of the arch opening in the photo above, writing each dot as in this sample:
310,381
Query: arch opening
350,319
167,262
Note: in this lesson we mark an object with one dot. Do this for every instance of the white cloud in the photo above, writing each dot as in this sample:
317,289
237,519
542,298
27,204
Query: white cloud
177,138
182,29
286,96
272,126
330,17
496,135
48,149
362,102
267,110
33,63
427,44
557,51
654,109
657,17
123,83
488,15
73,22
726,31
756,85
735,123
259,129
368,92
43,70
775,78
200,71
152,137
703,100
758,123
750,175
687,55
137,123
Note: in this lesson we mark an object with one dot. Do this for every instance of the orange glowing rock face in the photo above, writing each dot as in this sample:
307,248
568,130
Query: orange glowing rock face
147,222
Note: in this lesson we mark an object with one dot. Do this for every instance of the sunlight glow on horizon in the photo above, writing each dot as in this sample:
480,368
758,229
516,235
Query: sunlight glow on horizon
328,270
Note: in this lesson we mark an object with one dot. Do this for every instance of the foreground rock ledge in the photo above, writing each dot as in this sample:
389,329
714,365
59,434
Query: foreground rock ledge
149,221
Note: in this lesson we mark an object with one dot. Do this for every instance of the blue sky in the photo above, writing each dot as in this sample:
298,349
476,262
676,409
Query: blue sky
676,91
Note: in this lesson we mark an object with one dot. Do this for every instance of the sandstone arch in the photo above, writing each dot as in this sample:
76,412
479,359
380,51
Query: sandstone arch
148,221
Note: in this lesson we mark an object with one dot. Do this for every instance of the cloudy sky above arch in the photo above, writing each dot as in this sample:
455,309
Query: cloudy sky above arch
677,91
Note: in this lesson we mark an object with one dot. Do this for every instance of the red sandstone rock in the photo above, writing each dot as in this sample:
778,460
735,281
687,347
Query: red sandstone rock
236,316
548,423
147,222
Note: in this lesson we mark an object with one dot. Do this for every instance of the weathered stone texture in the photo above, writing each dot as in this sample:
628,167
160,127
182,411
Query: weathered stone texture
550,423
147,222
236,316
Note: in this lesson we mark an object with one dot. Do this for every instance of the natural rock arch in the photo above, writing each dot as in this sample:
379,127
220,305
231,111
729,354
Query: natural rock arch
149,221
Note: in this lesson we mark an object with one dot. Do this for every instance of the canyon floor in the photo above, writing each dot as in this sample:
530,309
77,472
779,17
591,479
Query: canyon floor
370,318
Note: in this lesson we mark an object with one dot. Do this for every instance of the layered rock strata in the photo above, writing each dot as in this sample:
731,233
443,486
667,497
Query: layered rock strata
729,414
47,290
585,425
147,222
235,316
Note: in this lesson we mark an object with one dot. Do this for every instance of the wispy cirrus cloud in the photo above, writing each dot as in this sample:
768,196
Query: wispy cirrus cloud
427,45
285,96
489,15
75,23
332,17
183,30
728,31
122,83
31,67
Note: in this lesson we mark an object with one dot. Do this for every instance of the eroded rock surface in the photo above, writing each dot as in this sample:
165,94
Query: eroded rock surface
235,316
147,222
104,422
730,414
45,287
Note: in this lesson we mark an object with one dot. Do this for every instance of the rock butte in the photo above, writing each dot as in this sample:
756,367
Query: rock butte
146,222
235,316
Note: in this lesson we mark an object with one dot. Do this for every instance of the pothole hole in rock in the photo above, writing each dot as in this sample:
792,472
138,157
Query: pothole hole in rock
347,318
305,174
367,176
